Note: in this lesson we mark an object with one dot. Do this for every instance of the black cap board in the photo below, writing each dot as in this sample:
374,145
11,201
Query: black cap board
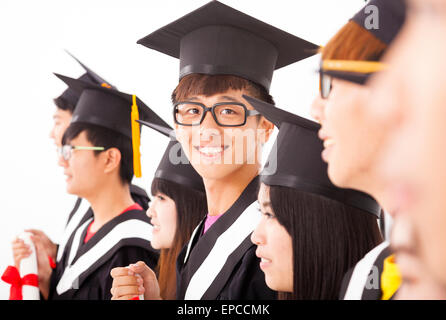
89,76
391,15
170,167
112,109
107,107
297,158
217,39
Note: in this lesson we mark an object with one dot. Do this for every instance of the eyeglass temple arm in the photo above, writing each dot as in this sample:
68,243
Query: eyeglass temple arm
252,112
88,148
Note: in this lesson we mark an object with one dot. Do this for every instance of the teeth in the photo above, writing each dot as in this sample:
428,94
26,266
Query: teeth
265,260
328,143
211,150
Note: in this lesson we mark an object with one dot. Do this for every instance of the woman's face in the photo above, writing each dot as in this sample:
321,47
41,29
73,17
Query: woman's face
413,91
163,215
351,140
217,152
274,246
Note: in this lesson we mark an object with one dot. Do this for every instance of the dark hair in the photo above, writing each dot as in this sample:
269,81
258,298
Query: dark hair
103,137
63,104
209,85
328,238
191,208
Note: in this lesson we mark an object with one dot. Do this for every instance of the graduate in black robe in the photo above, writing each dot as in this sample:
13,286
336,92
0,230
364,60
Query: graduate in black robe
330,228
81,211
219,47
83,271
363,282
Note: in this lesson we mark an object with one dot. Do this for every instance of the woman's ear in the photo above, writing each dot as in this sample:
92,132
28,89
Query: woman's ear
112,159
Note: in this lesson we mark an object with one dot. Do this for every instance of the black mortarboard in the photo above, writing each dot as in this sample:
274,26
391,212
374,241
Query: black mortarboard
391,15
297,158
170,167
89,76
217,39
111,109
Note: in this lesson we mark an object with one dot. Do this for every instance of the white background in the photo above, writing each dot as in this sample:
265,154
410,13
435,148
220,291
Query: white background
103,35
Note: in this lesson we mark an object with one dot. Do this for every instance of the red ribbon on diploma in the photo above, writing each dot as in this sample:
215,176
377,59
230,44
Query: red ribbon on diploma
12,276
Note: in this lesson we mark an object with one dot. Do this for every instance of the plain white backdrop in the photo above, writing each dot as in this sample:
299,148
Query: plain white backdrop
103,35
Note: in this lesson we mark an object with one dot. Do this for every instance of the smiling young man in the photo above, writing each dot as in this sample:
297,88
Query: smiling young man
65,106
223,54
100,155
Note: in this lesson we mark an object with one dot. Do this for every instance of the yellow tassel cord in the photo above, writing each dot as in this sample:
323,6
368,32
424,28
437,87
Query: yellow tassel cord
136,139
390,278
353,66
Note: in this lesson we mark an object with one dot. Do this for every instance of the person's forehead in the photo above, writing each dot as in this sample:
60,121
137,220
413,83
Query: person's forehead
81,138
231,95
228,96
264,193
60,113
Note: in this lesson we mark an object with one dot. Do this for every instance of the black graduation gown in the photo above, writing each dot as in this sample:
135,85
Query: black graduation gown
127,240
354,285
208,272
81,212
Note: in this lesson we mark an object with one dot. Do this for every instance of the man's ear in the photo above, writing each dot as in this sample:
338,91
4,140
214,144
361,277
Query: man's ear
112,159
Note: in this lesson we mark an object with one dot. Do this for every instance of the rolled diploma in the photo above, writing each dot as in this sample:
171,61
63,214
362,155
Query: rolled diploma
29,266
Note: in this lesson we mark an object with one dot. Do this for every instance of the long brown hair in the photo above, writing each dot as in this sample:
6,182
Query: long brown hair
191,207
352,42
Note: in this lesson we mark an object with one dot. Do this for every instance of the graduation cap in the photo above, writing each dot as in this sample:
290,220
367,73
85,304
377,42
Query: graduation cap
217,39
170,168
71,96
111,109
390,19
298,159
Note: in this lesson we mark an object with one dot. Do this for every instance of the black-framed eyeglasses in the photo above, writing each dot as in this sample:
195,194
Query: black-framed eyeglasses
225,114
66,151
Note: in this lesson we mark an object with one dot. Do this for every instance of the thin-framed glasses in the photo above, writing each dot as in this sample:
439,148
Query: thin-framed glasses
225,114
66,151
358,71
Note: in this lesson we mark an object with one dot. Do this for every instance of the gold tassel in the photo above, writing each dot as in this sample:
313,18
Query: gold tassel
390,278
136,139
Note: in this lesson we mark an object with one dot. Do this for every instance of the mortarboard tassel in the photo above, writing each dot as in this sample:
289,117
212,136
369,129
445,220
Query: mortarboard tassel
390,278
136,139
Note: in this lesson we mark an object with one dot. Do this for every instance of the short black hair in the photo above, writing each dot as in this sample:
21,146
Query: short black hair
107,138
63,104
328,238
